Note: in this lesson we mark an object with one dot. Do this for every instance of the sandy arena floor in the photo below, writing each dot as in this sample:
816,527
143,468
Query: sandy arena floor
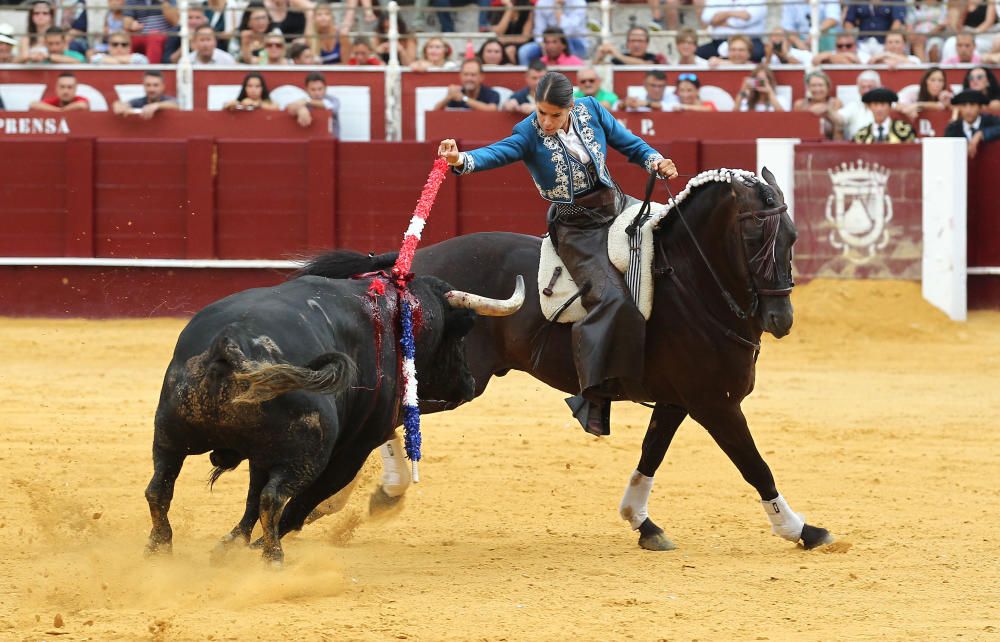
877,415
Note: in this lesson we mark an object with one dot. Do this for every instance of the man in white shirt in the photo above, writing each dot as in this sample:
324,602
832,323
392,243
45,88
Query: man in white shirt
653,97
854,114
568,15
204,50
725,18
894,52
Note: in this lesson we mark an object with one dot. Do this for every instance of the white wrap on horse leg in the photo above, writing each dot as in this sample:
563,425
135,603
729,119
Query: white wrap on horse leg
784,521
395,471
635,502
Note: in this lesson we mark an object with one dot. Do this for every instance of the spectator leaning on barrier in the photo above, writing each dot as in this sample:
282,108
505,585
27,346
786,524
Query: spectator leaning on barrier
973,125
821,102
873,20
883,128
523,100
636,50
363,54
933,95
253,95
153,99
150,22
686,44
590,85
982,80
119,52
569,17
688,95
796,20
759,91
471,94
317,98
737,49
654,96
205,50
65,98
725,18
55,50
965,51
7,44
845,53
855,114
894,53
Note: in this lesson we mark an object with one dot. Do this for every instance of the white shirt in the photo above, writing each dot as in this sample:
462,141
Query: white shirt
754,26
881,131
796,16
574,145
666,103
573,21
970,130
219,57
855,116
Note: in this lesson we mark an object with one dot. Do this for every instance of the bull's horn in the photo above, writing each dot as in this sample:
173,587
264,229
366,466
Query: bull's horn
488,307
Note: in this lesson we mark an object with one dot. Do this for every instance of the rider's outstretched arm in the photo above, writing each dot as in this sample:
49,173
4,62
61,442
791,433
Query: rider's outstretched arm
503,152
624,141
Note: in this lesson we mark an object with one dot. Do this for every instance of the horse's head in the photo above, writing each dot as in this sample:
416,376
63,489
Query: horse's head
766,235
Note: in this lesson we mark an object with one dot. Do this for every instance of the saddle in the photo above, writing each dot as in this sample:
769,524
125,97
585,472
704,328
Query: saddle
556,287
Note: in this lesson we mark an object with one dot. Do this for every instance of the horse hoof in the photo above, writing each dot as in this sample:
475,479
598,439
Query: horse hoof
652,537
382,506
814,536
659,542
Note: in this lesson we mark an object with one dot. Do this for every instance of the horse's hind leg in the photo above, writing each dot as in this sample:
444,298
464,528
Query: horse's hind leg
663,425
159,493
728,427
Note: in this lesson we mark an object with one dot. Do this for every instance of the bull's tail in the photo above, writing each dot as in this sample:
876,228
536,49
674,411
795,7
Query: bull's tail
329,373
224,460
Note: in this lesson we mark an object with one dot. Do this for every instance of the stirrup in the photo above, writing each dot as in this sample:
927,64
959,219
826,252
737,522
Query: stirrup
594,418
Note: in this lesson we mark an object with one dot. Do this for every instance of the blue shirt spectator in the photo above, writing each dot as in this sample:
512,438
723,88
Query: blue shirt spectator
875,19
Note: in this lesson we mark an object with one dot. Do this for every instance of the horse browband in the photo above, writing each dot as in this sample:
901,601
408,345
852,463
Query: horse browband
760,215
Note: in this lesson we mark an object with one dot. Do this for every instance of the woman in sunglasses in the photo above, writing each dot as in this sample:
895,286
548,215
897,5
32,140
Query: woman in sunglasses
40,20
689,95
982,79
564,144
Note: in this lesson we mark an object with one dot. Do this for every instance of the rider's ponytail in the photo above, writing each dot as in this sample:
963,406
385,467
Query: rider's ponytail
554,89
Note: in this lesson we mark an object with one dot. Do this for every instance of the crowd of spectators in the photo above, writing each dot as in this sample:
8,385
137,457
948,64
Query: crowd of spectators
707,34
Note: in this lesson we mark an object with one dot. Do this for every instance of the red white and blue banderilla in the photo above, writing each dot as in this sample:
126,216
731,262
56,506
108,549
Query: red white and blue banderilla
400,277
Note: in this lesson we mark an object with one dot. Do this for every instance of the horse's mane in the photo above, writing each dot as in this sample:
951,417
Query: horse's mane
709,176
342,264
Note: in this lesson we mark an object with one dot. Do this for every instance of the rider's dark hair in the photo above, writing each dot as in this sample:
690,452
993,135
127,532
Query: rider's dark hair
554,89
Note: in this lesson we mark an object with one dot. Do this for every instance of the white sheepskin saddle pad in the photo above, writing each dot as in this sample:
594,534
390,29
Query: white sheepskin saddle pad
639,278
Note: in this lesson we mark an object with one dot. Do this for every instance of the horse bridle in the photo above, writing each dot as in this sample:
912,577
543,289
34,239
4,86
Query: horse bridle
759,215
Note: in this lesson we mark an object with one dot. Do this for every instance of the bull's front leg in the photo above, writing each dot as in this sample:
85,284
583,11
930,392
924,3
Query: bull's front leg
728,427
634,507
159,493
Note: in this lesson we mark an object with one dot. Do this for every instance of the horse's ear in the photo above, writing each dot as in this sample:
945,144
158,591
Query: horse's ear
773,182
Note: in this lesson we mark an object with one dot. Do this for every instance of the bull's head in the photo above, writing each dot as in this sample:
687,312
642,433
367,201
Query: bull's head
442,368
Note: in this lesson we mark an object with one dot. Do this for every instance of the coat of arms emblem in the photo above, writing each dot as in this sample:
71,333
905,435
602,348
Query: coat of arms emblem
859,209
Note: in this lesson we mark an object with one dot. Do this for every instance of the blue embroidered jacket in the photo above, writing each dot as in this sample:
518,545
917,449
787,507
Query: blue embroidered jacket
557,174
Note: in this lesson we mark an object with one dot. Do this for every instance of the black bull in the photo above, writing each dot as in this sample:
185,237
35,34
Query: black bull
701,350
301,379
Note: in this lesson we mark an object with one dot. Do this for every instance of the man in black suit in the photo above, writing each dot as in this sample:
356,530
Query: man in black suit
973,125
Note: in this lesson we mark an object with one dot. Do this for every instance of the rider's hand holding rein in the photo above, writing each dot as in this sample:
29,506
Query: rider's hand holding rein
448,150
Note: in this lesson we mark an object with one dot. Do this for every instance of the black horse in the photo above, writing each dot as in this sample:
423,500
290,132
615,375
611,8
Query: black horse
722,275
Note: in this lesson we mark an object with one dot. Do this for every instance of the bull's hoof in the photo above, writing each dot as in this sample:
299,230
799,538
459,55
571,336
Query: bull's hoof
382,506
274,558
814,536
154,547
257,543
226,544
652,537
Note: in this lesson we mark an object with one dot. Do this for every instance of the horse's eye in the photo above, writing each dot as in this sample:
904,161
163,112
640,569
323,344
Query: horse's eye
770,200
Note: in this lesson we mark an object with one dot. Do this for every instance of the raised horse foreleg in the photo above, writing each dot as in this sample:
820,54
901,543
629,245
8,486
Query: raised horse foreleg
728,427
634,506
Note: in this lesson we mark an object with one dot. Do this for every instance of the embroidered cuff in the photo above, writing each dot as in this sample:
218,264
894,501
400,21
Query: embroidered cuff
650,163
468,164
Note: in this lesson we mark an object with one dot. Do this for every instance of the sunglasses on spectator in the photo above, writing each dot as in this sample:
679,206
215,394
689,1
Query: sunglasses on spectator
275,44
587,80
115,43
687,77
977,76
845,45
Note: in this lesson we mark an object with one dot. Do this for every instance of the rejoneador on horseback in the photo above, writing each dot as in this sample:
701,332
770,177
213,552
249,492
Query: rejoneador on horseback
564,145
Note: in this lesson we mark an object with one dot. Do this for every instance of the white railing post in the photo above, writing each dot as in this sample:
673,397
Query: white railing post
605,21
814,33
185,71
393,80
